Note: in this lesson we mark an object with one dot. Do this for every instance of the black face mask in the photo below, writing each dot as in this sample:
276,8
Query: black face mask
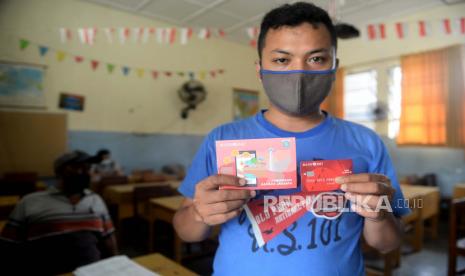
75,183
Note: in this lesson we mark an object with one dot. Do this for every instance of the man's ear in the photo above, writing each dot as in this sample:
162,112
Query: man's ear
258,67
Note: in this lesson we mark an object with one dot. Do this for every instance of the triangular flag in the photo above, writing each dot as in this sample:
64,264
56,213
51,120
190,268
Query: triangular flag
202,75
462,25
220,71
23,43
401,30
110,67
94,64
43,50
140,72
78,59
125,70
109,32
181,74
221,33
191,75
63,34
155,74
168,74
423,28
212,73
376,31
60,55
447,26
172,33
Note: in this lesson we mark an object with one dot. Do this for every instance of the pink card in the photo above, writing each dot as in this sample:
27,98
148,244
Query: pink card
266,164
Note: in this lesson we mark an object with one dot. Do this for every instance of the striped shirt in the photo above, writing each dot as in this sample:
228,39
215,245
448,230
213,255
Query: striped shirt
50,213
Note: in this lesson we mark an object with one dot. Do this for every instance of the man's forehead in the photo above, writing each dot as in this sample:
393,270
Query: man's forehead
317,36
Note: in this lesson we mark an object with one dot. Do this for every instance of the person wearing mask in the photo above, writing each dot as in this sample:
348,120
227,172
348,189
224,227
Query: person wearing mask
55,231
297,49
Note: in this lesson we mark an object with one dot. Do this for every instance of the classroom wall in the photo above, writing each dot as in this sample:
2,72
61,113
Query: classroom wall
138,118
115,102
359,54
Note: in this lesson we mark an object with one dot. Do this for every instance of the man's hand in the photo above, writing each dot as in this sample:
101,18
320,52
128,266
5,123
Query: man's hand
367,192
213,206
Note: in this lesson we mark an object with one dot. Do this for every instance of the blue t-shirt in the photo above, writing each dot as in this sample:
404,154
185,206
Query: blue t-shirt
311,245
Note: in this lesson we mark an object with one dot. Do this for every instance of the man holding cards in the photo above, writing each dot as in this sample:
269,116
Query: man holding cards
297,64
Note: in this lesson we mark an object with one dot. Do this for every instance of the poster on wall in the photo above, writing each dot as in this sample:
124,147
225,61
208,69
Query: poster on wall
21,85
245,103
71,102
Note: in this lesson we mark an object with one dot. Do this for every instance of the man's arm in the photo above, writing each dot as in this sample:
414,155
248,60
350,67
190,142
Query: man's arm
385,234
210,206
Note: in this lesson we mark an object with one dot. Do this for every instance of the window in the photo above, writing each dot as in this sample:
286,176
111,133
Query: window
394,100
360,97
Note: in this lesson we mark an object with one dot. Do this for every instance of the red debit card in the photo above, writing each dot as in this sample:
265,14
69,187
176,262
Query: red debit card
320,175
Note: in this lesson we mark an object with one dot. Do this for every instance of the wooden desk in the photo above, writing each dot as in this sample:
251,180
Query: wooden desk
459,191
7,204
122,197
429,210
8,201
159,264
164,208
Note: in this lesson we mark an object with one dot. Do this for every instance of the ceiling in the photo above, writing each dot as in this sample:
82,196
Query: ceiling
234,16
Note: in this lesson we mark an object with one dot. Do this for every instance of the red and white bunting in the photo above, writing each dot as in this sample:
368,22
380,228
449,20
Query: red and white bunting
172,35
401,30
145,35
160,35
185,35
376,31
109,33
221,32
124,34
424,28
462,25
137,33
204,33
447,26
252,33
87,35
65,35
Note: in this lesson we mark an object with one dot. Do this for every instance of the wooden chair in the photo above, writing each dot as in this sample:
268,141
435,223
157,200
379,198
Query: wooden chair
141,196
456,235
413,225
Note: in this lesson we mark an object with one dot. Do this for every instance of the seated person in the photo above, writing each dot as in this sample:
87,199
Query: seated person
58,230
104,166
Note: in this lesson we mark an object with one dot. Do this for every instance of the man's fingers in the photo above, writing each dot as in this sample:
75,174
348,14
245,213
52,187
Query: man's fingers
225,206
367,201
367,213
221,218
362,177
375,188
214,181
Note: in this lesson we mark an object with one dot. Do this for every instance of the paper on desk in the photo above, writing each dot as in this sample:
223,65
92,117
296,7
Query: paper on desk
116,266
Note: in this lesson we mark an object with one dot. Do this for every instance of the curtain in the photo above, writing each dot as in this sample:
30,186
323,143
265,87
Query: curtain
424,97
456,103
334,103
433,98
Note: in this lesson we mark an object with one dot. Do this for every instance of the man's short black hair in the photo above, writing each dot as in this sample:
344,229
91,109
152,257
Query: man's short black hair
293,15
